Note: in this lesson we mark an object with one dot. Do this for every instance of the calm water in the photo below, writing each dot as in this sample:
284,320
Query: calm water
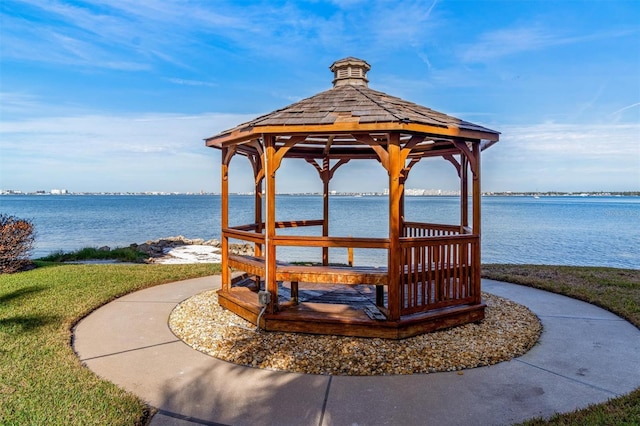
599,231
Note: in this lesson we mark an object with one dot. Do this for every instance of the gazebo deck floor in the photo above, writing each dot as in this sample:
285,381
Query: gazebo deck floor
345,310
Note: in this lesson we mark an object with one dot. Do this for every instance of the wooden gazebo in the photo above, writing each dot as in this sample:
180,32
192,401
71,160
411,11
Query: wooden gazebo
432,277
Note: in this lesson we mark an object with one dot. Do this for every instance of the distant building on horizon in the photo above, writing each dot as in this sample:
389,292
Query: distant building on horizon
418,192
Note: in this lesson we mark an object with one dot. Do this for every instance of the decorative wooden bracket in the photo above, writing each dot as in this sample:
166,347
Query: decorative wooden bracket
258,147
282,151
404,154
322,170
383,155
327,148
450,158
415,139
315,164
406,169
258,169
335,166
231,151
464,148
257,161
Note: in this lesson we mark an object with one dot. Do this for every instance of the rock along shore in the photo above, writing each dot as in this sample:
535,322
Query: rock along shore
173,250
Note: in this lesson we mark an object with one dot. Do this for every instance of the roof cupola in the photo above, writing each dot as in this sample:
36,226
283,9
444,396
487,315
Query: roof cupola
350,70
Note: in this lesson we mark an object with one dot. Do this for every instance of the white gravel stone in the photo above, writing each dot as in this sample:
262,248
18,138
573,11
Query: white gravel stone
508,330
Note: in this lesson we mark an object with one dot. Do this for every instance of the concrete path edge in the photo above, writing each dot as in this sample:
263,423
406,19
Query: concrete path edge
586,355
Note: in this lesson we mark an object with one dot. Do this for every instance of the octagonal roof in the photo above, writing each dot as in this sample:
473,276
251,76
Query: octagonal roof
351,106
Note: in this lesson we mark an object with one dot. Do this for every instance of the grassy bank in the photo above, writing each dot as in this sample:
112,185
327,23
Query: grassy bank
121,254
41,379
617,290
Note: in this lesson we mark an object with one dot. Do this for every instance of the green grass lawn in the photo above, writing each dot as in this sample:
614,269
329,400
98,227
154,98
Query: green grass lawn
617,290
122,254
42,381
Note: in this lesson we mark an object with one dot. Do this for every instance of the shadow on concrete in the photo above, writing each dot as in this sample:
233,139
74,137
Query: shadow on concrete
225,394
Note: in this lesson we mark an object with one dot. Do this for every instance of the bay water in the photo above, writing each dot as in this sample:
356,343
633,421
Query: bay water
586,231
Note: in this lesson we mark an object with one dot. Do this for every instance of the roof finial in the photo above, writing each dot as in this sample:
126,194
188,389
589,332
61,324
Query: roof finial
350,70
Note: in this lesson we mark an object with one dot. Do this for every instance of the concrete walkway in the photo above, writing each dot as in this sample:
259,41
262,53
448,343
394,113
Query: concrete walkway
586,355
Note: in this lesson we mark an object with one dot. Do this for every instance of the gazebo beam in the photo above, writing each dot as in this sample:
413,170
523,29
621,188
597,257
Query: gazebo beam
360,145
240,135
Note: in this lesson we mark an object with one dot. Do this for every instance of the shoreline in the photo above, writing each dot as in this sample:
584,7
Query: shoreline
181,250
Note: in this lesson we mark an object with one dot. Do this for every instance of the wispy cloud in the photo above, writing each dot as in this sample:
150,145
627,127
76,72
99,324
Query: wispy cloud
408,24
94,149
192,82
564,157
108,35
98,135
617,115
598,141
511,41
19,103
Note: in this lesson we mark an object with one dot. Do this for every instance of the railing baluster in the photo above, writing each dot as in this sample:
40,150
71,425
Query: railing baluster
423,275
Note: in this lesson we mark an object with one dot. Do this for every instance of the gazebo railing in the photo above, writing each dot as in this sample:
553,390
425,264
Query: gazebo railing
282,224
418,229
439,272
331,242
438,260
254,232
240,234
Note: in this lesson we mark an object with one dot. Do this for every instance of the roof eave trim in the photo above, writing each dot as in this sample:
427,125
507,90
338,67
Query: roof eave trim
247,134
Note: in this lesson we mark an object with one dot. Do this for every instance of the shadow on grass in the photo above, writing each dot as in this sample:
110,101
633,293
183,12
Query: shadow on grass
26,323
6,298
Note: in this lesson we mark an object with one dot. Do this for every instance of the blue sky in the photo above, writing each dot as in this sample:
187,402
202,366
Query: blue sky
118,95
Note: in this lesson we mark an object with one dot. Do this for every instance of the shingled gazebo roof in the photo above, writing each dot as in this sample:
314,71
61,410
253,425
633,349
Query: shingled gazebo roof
352,106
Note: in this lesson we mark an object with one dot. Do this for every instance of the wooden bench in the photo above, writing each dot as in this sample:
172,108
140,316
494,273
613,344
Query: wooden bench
346,275
294,274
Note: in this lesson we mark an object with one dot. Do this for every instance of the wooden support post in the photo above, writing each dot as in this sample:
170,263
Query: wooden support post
477,220
226,274
464,190
401,211
326,177
256,161
396,189
257,247
258,214
270,167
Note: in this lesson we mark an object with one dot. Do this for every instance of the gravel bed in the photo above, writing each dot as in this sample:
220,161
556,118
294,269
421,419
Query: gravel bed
508,330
